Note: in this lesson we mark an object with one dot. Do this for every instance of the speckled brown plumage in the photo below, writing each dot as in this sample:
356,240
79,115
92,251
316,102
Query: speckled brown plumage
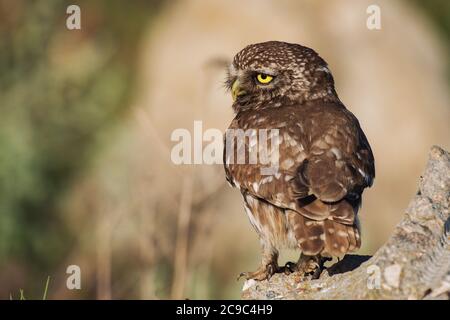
325,161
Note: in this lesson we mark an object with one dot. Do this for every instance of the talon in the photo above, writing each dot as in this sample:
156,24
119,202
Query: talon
270,271
264,272
243,274
290,267
316,274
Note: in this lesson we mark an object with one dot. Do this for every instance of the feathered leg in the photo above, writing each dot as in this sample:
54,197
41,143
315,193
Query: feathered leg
269,265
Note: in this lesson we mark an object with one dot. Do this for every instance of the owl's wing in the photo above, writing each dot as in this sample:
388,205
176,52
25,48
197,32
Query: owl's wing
339,166
324,165
340,162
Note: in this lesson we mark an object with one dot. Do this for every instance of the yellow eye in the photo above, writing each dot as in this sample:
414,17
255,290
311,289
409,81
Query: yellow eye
264,78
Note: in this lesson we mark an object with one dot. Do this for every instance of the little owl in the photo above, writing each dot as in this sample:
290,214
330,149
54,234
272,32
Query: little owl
324,159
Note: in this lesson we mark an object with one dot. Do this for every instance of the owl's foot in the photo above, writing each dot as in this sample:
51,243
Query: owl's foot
305,267
311,266
264,272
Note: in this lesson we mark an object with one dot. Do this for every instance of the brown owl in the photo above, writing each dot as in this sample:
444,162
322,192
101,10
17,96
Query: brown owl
324,159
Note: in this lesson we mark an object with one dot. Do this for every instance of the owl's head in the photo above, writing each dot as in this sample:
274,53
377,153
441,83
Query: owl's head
273,74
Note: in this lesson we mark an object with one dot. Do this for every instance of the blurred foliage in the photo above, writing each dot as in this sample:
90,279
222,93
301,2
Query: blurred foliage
60,90
439,13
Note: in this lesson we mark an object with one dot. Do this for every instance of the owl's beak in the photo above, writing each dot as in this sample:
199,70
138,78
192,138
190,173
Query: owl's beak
236,91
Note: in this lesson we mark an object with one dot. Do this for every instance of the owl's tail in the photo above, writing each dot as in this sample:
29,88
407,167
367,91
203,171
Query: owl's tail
332,236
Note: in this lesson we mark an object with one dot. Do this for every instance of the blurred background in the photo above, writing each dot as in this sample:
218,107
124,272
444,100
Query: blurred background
86,117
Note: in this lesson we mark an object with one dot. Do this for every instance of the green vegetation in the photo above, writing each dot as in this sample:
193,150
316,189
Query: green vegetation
439,13
22,294
60,91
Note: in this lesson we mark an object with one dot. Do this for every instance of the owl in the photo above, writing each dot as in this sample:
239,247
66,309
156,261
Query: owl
324,161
